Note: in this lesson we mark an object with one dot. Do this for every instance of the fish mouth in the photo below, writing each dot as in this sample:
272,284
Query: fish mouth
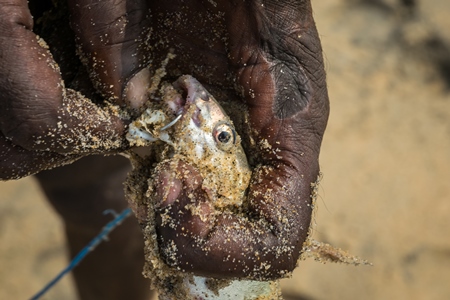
190,91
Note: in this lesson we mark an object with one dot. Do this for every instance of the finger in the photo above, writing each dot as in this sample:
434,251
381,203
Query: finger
276,56
278,60
183,213
36,111
194,237
16,162
29,80
111,37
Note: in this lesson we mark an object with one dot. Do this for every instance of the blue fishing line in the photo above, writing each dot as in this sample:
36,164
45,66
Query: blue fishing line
103,235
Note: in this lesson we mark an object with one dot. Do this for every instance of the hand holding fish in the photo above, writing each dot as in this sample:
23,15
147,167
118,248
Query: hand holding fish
263,55
279,72
278,68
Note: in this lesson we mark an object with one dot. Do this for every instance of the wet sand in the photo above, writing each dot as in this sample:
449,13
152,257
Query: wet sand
385,162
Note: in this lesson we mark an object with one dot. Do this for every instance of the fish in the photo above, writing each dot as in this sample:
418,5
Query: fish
203,135
197,130
206,138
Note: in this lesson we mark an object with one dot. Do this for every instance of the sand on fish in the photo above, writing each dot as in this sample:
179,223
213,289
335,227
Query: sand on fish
385,160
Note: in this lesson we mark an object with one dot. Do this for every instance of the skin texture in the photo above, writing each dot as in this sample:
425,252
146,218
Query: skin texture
34,104
266,54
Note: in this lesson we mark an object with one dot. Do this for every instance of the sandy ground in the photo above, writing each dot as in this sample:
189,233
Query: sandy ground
385,159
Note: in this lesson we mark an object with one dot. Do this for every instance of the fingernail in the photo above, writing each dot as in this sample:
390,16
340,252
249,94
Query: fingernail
168,188
136,90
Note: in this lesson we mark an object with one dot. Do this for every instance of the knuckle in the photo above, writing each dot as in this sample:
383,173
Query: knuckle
13,16
27,129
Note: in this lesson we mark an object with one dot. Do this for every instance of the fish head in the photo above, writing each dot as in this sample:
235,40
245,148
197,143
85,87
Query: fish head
206,138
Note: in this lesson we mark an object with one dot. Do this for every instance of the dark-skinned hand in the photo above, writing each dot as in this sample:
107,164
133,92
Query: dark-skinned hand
267,53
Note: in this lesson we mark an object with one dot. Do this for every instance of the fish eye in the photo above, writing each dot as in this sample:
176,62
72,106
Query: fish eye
225,136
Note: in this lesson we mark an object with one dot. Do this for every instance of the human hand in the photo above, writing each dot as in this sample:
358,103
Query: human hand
42,123
271,52
267,55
